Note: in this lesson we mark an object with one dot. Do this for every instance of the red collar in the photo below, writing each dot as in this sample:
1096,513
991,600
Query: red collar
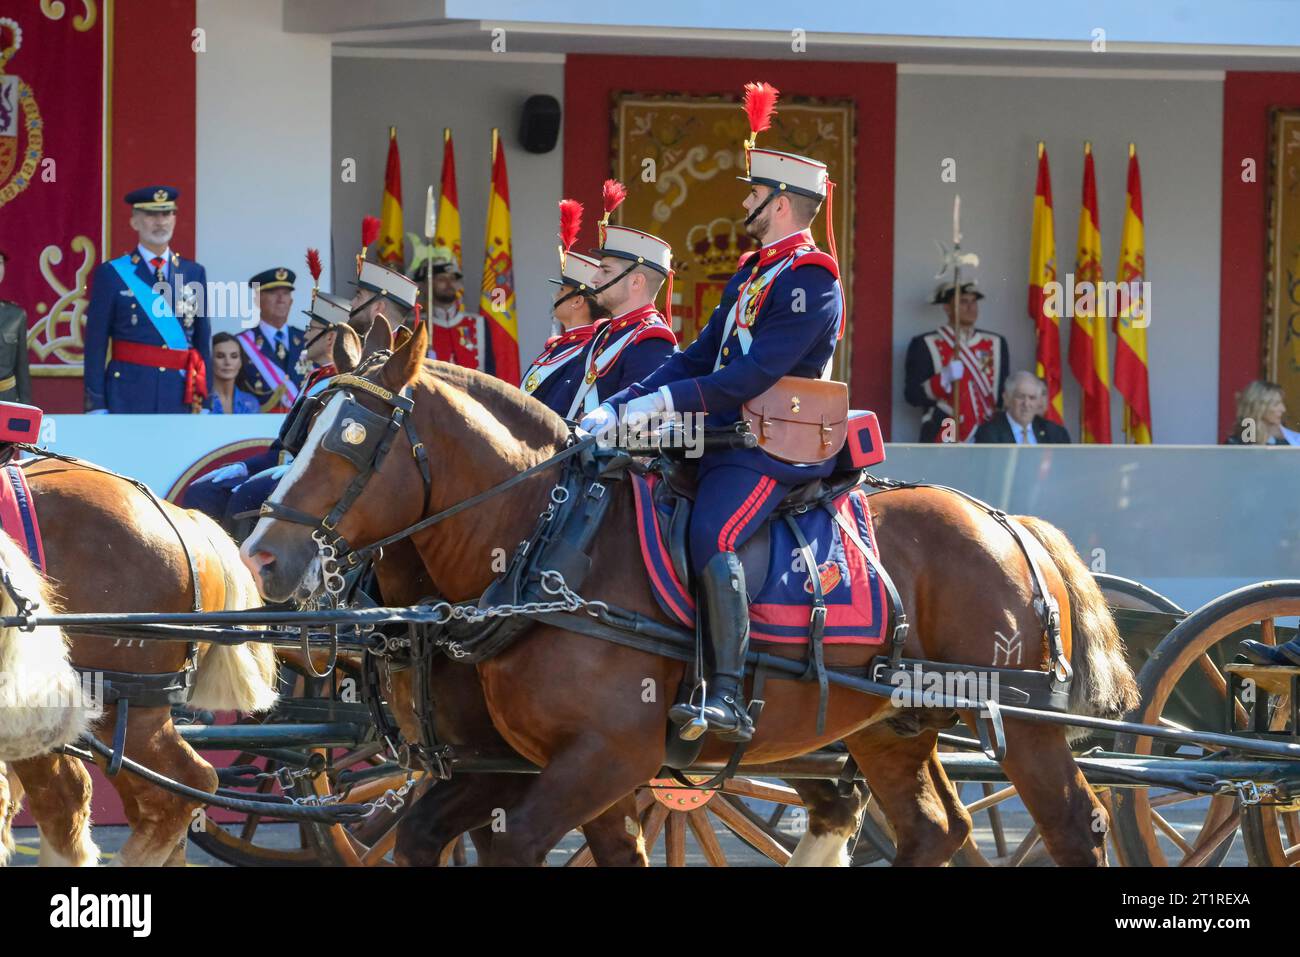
784,247
573,336
635,317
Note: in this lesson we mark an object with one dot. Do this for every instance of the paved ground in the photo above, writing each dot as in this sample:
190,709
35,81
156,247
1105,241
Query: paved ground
1186,817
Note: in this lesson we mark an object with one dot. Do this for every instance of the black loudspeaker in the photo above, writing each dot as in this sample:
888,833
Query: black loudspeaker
539,127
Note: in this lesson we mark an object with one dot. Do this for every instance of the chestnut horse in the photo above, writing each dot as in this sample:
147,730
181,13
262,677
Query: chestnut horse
109,547
575,705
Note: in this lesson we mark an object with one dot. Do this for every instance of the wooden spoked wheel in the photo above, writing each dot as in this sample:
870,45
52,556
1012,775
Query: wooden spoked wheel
681,816
1183,684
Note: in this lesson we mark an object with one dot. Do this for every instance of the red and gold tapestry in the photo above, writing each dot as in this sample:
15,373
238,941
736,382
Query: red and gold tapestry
680,155
52,169
1282,319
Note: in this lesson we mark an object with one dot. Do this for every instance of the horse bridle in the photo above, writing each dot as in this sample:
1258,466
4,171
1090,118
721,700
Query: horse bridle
362,437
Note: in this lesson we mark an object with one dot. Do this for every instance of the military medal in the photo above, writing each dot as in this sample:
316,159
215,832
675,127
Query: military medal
531,384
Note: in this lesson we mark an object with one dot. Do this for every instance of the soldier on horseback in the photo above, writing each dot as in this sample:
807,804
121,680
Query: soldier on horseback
780,315
594,355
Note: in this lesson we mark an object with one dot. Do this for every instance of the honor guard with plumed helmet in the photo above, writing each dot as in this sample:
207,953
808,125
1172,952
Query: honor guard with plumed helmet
149,305
455,336
956,359
780,316
593,355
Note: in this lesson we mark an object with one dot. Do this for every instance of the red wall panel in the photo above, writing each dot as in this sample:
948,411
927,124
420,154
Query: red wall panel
1247,100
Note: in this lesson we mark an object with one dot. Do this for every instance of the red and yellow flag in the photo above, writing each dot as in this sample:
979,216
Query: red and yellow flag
390,209
1088,341
1130,324
447,232
497,298
1042,270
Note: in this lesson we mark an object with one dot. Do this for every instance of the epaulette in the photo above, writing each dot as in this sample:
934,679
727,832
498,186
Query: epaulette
815,257
655,330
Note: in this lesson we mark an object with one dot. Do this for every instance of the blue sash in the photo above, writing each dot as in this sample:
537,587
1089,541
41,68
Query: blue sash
157,309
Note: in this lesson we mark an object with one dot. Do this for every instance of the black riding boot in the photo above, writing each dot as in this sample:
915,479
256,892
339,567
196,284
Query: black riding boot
726,610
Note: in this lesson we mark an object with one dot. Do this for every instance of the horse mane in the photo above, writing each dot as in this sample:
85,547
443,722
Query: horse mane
536,426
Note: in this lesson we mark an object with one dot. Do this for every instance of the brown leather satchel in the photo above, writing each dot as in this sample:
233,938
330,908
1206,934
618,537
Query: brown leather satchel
800,420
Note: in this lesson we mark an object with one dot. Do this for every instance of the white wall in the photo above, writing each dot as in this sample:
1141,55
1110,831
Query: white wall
420,97
990,125
263,151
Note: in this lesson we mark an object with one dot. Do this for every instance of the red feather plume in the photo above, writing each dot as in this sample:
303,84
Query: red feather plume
760,104
370,227
570,221
314,265
613,193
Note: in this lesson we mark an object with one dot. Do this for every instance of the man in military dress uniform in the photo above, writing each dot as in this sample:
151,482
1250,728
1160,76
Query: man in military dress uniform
149,303
974,361
15,376
455,335
780,315
275,361
590,359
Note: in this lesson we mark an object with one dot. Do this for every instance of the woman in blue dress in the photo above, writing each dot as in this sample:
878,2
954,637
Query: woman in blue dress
226,398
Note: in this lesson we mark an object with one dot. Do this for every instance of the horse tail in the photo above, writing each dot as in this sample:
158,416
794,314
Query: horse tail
41,704
1103,684
234,677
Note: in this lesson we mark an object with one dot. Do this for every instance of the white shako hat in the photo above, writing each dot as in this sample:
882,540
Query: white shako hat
641,248
576,270
786,171
389,283
329,309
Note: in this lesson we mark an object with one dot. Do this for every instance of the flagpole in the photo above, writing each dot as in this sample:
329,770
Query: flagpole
956,305
430,227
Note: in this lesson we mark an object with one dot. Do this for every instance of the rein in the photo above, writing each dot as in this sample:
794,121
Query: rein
334,546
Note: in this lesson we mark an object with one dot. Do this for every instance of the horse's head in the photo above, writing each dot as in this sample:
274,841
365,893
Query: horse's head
354,477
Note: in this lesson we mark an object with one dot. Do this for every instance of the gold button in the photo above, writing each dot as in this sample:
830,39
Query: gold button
726,351
117,375
162,368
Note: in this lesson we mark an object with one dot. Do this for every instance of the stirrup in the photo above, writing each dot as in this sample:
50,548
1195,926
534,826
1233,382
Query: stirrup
689,715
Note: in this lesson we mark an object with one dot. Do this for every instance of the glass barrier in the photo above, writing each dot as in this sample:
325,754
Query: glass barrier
1192,522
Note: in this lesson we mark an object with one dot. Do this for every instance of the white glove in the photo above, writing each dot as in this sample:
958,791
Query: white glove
644,407
236,470
600,420
952,372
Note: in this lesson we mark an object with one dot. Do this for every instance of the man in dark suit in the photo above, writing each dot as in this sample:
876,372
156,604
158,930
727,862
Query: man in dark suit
275,358
1024,397
15,374
149,303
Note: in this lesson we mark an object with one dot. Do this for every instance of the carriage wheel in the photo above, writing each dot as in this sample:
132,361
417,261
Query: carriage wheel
249,842
1185,673
669,810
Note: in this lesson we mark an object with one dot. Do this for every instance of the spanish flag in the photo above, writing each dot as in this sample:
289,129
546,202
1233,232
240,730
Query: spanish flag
497,298
390,209
1130,325
1088,341
447,233
1042,270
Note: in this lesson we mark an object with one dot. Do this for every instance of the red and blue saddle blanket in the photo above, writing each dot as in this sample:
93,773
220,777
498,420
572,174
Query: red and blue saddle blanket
18,514
856,602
